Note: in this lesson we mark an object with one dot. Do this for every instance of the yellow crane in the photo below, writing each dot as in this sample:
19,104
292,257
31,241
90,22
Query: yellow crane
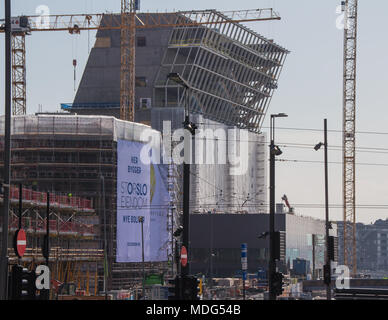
128,21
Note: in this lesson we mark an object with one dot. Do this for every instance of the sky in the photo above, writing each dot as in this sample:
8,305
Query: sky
310,89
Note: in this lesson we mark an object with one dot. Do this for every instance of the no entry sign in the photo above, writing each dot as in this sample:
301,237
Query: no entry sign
183,256
20,242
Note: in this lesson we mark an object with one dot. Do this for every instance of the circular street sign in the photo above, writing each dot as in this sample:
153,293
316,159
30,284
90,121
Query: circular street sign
21,242
184,256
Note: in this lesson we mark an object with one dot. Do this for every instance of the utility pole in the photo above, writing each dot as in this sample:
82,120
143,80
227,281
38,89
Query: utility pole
313,236
327,222
211,251
47,242
272,263
141,220
7,154
172,241
274,151
20,205
45,293
327,267
105,239
189,133
186,193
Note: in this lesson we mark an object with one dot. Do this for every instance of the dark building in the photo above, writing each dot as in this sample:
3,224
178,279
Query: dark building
372,246
223,234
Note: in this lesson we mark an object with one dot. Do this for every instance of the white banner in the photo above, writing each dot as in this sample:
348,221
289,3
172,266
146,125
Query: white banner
141,191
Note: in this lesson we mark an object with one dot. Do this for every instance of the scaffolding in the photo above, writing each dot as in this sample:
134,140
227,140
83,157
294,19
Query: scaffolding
77,155
74,234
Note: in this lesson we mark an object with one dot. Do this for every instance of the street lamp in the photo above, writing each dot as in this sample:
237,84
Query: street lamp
189,132
274,151
141,220
327,267
4,259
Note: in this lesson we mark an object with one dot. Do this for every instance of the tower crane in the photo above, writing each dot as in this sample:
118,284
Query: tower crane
349,7
128,21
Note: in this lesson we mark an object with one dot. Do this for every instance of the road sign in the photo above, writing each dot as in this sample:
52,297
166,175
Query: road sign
244,275
183,256
244,256
20,242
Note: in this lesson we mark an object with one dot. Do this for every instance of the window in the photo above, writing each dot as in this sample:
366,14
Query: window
141,41
141,82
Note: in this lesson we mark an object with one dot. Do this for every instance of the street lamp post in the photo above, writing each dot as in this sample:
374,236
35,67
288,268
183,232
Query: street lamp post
211,251
189,132
141,220
274,151
105,238
327,222
7,154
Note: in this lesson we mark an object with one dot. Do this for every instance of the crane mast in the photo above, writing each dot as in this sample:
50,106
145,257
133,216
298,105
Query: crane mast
18,73
127,78
349,138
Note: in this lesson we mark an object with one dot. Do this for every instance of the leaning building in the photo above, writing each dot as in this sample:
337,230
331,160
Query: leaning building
232,71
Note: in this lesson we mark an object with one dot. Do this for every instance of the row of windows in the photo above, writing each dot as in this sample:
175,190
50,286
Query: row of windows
54,143
63,158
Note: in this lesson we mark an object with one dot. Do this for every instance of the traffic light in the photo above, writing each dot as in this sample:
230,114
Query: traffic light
191,288
22,284
174,289
277,283
330,248
326,274
279,244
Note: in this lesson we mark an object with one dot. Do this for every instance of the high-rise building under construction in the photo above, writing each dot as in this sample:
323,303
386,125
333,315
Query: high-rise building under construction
232,72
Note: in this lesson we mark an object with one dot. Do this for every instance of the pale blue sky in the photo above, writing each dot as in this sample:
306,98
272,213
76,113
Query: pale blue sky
310,86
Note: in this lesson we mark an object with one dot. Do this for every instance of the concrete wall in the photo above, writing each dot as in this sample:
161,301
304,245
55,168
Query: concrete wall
229,232
100,82
226,232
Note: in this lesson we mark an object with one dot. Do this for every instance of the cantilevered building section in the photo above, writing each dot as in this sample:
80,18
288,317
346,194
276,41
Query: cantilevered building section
233,72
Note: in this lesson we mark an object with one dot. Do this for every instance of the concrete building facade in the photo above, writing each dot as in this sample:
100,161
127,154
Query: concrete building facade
372,246
223,234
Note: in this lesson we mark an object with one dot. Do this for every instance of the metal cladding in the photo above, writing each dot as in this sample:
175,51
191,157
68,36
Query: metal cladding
232,72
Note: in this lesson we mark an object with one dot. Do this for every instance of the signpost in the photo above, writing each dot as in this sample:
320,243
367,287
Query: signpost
183,256
20,242
244,264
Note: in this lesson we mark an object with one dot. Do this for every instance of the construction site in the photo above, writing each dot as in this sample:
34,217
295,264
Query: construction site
73,173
